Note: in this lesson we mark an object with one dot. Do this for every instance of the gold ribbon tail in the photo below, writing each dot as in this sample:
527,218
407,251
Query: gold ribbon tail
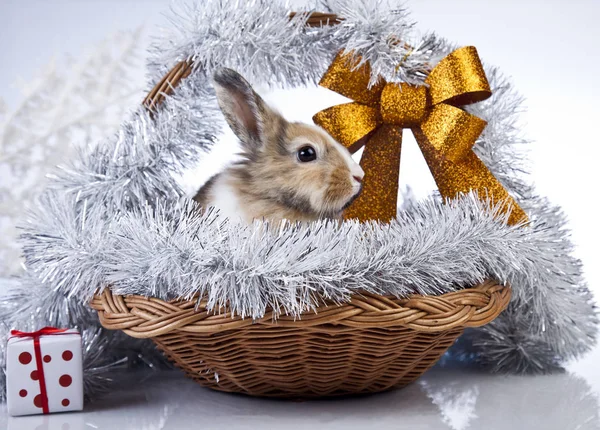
468,174
381,163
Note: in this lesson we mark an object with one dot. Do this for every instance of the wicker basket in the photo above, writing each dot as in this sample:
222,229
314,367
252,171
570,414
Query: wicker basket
370,344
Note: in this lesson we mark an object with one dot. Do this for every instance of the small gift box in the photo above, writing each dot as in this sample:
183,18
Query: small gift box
44,372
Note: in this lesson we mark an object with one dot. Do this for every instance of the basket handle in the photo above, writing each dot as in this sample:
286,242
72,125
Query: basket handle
183,69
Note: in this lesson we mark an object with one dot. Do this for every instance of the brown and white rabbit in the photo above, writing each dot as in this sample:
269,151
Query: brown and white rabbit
287,170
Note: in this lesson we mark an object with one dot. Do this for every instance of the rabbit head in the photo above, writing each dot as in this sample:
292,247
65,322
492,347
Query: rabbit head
294,165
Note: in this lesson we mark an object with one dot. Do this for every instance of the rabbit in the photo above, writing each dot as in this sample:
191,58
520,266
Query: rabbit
287,171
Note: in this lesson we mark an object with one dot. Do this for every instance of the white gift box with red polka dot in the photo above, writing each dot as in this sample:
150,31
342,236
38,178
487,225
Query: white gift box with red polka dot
48,362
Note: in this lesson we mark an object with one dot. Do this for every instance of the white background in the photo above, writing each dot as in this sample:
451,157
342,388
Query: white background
549,48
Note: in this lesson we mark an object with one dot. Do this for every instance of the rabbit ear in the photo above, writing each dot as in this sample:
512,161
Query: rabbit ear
244,110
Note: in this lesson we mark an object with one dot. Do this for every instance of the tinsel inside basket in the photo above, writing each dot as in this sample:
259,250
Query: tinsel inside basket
371,343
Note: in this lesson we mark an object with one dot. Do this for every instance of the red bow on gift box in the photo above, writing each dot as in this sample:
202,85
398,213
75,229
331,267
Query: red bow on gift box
41,332
46,331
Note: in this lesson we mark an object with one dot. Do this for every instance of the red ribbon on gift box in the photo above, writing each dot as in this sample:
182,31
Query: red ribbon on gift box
46,331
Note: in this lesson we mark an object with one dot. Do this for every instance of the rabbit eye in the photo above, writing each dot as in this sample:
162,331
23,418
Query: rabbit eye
307,153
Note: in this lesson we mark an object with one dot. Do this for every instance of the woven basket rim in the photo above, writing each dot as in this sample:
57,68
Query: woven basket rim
145,317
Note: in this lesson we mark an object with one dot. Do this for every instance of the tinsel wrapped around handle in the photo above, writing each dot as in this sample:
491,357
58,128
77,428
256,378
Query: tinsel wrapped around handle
444,132
183,69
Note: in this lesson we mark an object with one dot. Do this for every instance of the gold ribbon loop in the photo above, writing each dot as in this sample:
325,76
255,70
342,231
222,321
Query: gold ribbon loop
345,77
459,79
445,133
349,123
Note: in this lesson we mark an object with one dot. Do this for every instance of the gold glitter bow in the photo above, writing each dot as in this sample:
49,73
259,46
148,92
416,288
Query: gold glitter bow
445,133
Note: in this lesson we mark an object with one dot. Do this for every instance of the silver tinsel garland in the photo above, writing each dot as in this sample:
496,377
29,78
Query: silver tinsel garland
118,216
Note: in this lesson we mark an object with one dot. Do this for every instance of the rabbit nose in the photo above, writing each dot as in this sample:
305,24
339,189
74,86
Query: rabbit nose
358,178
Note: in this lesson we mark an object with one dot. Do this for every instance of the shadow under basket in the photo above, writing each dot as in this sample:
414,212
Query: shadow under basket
370,344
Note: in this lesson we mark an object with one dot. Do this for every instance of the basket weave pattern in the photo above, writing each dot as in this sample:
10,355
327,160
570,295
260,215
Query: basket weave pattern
369,344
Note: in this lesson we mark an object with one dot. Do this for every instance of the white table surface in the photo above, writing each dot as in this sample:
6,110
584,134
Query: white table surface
444,398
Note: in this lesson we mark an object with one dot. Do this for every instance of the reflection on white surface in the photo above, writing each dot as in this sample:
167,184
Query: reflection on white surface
456,401
445,398
468,399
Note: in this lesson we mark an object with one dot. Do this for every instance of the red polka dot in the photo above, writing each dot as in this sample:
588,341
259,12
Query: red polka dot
37,401
23,393
67,355
65,380
34,375
47,359
25,358
66,402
